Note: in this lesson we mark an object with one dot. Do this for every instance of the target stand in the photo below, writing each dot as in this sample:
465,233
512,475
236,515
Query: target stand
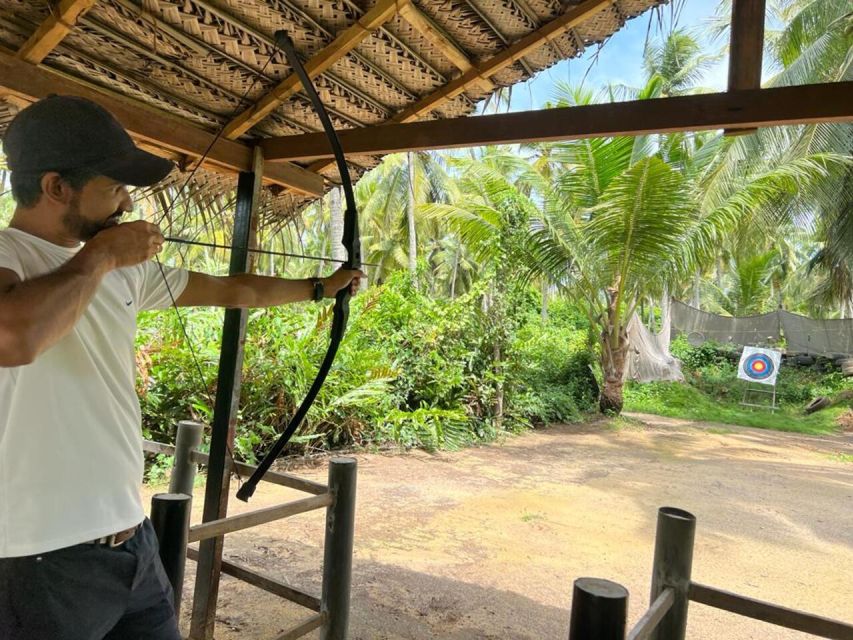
753,392
759,368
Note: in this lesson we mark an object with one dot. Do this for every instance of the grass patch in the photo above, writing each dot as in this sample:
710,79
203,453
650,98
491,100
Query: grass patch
719,431
677,400
534,516
618,423
842,457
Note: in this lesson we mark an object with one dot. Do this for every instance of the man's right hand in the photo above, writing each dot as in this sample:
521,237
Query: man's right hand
127,244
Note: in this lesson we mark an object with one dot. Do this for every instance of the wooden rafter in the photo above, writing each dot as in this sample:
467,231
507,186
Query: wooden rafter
198,46
508,56
440,41
487,68
150,125
51,32
806,104
746,48
381,12
472,4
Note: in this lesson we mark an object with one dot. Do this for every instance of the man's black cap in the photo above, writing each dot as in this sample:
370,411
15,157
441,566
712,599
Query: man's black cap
66,132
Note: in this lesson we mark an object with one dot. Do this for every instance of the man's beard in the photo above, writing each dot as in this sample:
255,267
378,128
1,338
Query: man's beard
79,226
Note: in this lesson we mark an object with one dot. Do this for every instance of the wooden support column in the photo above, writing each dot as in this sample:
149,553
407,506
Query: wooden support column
225,411
50,33
746,49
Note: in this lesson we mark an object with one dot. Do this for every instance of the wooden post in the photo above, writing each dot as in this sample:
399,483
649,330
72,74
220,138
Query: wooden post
746,49
184,467
225,413
337,558
672,566
599,610
170,516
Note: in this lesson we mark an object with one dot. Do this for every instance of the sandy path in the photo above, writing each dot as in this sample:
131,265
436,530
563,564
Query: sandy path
485,543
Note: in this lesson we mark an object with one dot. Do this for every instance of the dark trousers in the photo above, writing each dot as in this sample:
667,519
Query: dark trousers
89,592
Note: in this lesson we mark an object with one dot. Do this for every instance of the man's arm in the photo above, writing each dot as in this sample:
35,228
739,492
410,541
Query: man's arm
37,313
252,291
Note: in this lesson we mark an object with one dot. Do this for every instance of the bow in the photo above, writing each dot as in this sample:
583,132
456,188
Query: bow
352,244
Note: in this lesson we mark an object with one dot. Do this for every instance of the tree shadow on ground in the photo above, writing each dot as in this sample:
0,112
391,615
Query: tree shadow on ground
388,603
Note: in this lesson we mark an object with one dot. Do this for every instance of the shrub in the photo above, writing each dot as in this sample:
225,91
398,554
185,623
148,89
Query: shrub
411,369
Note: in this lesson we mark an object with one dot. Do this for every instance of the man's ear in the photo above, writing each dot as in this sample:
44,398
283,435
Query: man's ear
54,188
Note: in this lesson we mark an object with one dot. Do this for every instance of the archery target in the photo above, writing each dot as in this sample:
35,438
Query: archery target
759,365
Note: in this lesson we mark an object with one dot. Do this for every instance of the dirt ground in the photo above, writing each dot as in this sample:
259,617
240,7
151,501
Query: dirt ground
486,542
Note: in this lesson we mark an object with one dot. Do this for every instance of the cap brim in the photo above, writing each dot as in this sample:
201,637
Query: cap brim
139,168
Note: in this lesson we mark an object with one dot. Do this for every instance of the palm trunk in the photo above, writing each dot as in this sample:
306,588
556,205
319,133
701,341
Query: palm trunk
336,225
614,349
544,301
453,275
697,281
499,391
665,319
410,214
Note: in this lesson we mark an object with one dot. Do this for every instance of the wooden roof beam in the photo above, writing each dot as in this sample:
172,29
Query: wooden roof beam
429,30
52,31
571,18
483,70
805,104
348,40
149,125
746,48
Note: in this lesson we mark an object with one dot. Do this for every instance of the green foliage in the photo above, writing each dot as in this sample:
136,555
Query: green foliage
157,471
428,428
417,371
553,381
709,354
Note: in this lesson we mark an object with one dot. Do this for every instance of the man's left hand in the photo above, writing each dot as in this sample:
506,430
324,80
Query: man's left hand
340,279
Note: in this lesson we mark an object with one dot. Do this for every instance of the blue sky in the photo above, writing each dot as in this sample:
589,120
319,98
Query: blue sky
620,60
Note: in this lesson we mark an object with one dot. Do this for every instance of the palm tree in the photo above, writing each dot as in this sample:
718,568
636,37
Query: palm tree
603,228
389,197
815,44
610,253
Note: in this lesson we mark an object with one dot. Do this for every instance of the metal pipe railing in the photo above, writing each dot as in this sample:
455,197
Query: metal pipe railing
337,554
170,517
599,610
332,608
673,589
772,613
216,528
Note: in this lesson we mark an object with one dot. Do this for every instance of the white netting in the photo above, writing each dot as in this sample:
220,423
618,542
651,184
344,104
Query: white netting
648,356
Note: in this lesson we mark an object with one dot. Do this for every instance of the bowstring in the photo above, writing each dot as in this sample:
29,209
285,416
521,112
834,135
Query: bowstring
166,211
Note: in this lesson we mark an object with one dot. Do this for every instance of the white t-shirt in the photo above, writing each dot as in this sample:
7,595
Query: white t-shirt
70,439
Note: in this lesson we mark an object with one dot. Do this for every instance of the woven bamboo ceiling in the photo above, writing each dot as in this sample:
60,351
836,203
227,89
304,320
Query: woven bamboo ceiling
213,63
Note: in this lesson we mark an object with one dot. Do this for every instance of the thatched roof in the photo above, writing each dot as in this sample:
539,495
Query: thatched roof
208,61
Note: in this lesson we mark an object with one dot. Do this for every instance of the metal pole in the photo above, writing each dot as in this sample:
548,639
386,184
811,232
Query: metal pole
599,610
672,567
337,559
170,516
225,412
183,468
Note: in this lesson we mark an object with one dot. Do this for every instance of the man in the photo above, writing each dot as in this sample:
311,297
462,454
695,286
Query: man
78,561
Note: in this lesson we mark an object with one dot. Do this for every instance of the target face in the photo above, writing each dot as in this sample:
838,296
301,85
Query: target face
759,365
